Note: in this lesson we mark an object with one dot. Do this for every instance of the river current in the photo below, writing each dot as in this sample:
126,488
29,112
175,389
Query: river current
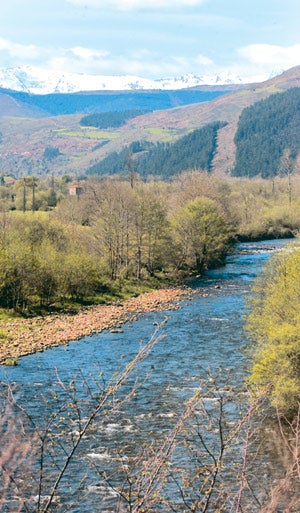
201,341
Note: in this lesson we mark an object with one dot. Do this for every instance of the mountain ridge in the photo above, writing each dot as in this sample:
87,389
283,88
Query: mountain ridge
104,101
35,80
23,140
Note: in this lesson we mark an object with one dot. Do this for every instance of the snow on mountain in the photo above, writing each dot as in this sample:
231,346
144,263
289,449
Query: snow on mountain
34,80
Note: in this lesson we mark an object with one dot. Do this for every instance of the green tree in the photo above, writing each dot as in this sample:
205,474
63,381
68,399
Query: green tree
51,153
286,168
17,270
78,275
46,276
274,323
201,235
111,225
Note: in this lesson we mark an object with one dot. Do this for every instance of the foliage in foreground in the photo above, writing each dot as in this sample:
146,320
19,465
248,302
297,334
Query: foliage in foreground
274,323
206,461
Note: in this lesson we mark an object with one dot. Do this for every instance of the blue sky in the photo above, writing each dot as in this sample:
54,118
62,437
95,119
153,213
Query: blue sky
152,38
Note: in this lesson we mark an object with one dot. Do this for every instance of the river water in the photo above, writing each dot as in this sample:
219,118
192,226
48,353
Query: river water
202,343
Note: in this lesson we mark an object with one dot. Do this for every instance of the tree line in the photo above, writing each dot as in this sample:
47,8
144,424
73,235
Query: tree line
114,235
193,151
123,234
113,119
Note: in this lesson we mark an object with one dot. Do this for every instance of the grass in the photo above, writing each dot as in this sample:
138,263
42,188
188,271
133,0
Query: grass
271,89
7,315
37,214
87,133
4,336
164,134
118,290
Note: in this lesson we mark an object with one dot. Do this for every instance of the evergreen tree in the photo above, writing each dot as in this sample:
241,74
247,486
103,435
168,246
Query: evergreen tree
265,131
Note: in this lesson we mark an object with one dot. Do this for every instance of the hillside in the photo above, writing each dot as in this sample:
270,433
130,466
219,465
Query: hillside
58,104
11,106
24,140
267,133
192,151
227,108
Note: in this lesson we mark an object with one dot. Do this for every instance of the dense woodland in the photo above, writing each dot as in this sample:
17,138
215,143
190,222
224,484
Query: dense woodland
267,143
266,130
123,234
113,119
193,151
58,104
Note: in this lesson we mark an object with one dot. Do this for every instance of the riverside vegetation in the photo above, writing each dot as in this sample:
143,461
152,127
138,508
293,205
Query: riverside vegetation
121,237
274,323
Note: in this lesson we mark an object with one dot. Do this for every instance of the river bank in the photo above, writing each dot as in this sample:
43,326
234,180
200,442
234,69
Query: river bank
21,337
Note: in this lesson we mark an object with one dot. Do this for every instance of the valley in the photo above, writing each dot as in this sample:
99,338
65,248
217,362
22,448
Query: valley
24,139
94,261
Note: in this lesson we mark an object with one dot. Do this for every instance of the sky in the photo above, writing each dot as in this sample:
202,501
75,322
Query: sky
152,38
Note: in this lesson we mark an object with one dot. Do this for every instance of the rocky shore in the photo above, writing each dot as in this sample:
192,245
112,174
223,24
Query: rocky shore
26,336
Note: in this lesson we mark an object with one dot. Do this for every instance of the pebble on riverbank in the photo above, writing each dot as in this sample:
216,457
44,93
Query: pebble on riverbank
27,336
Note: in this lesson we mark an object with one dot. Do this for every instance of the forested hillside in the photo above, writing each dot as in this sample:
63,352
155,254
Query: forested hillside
266,131
110,119
193,151
25,136
58,104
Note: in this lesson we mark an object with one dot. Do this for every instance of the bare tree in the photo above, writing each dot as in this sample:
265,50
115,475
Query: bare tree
53,446
15,459
208,461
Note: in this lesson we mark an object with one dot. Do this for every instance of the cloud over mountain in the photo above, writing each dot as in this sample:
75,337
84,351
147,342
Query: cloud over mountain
261,54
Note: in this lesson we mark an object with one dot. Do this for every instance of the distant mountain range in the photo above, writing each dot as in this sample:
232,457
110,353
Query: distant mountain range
29,132
35,80
20,104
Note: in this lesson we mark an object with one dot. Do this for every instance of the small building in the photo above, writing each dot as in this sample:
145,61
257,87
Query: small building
9,182
75,189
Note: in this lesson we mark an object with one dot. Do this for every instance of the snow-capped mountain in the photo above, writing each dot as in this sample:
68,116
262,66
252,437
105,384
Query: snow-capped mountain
34,80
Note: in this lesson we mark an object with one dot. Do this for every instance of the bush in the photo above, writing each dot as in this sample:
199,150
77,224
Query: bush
274,323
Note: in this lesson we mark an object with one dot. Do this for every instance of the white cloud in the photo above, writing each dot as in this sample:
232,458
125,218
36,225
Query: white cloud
88,53
20,51
257,60
143,62
126,5
202,60
79,60
271,55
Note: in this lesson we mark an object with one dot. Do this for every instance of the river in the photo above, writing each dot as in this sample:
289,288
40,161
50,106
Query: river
203,342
